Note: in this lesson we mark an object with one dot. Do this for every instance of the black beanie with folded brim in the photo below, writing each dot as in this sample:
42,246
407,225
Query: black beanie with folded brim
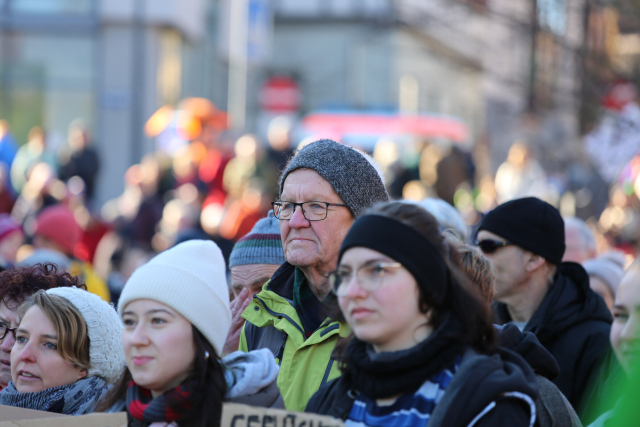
530,223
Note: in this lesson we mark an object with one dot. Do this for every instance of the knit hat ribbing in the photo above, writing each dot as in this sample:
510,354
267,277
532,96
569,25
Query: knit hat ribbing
531,224
351,174
105,332
190,278
262,245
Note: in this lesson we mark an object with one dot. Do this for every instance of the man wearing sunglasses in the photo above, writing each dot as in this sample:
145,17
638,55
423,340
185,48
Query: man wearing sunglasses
322,190
525,241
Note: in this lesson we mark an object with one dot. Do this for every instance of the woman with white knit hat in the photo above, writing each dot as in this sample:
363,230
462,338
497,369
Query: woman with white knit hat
66,352
176,316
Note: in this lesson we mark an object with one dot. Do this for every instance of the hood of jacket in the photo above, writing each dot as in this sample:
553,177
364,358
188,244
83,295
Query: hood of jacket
526,344
502,375
568,302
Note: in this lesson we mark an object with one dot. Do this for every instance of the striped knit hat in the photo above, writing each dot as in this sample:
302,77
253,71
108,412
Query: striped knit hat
262,245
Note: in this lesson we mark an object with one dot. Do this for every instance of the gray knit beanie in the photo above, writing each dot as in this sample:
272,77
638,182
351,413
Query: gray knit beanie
352,174
609,267
262,245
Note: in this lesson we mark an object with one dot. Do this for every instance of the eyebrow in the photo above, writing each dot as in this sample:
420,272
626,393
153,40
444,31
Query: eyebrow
160,310
24,331
152,311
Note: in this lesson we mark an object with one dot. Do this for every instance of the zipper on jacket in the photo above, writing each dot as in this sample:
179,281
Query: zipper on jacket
273,313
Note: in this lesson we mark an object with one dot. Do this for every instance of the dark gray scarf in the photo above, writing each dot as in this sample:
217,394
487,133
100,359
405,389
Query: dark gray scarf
78,398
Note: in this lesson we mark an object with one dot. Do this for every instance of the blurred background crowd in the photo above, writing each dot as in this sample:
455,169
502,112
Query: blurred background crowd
152,123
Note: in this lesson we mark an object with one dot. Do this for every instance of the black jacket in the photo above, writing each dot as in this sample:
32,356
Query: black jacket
480,381
573,323
552,408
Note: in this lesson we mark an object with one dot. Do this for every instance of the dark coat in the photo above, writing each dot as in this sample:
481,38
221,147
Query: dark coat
552,408
480,381
573,323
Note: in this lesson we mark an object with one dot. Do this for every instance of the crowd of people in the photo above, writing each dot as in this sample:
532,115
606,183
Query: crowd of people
339,301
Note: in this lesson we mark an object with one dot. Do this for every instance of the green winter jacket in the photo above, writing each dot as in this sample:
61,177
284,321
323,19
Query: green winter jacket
273,322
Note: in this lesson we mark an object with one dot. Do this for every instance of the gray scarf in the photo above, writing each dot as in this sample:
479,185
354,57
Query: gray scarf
78,398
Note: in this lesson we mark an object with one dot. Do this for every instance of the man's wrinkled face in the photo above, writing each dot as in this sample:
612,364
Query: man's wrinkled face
314,244
508,263
251,276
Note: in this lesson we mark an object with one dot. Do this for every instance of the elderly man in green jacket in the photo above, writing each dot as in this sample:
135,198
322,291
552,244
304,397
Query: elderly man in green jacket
322,190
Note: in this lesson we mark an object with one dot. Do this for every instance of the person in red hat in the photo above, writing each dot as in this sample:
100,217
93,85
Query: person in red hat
56,236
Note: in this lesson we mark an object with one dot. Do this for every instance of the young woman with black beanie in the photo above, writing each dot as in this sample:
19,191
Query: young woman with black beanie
423,350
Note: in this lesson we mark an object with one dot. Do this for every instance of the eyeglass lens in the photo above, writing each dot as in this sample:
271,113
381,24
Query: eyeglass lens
369,278
4,330
312,211
490,246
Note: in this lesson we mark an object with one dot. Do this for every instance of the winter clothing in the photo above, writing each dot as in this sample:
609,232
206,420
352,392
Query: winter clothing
251,378
78,398
553,409
262,245
273,322
410,409
485,391
403,244
190,278
104,329
391,373
57,223
84,163
8,225
609,267
531,224
169,406
448,217
87,275
353,175
573,323
43,255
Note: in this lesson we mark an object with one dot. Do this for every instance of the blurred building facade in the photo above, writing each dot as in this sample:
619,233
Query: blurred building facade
110,62
511,69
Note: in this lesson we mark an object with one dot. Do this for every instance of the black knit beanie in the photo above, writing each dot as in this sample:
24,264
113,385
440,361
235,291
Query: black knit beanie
350,173
531,224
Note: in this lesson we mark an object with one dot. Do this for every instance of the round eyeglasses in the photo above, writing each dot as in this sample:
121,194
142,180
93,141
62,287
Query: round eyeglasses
369,277
4,330
312,211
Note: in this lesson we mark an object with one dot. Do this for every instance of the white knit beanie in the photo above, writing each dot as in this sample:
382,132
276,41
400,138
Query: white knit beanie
191,279
105,332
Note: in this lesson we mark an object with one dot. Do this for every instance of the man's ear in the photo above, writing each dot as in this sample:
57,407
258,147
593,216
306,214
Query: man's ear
533,262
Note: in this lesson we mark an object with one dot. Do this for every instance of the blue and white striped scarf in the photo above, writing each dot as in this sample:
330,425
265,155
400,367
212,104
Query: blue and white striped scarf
409,410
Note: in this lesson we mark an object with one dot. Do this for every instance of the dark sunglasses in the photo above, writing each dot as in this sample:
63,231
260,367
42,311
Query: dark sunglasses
488,246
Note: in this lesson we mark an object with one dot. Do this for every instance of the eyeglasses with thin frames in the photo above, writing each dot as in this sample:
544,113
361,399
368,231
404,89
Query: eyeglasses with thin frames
369,277
4,330
312,211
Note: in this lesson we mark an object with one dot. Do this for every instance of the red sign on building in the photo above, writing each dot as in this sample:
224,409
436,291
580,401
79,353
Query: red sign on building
280,94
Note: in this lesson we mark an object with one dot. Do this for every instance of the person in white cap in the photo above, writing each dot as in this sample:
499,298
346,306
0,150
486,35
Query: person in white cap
176,316
66,352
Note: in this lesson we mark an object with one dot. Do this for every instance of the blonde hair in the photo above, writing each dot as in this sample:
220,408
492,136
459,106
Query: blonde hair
71,329
479,269
474,264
